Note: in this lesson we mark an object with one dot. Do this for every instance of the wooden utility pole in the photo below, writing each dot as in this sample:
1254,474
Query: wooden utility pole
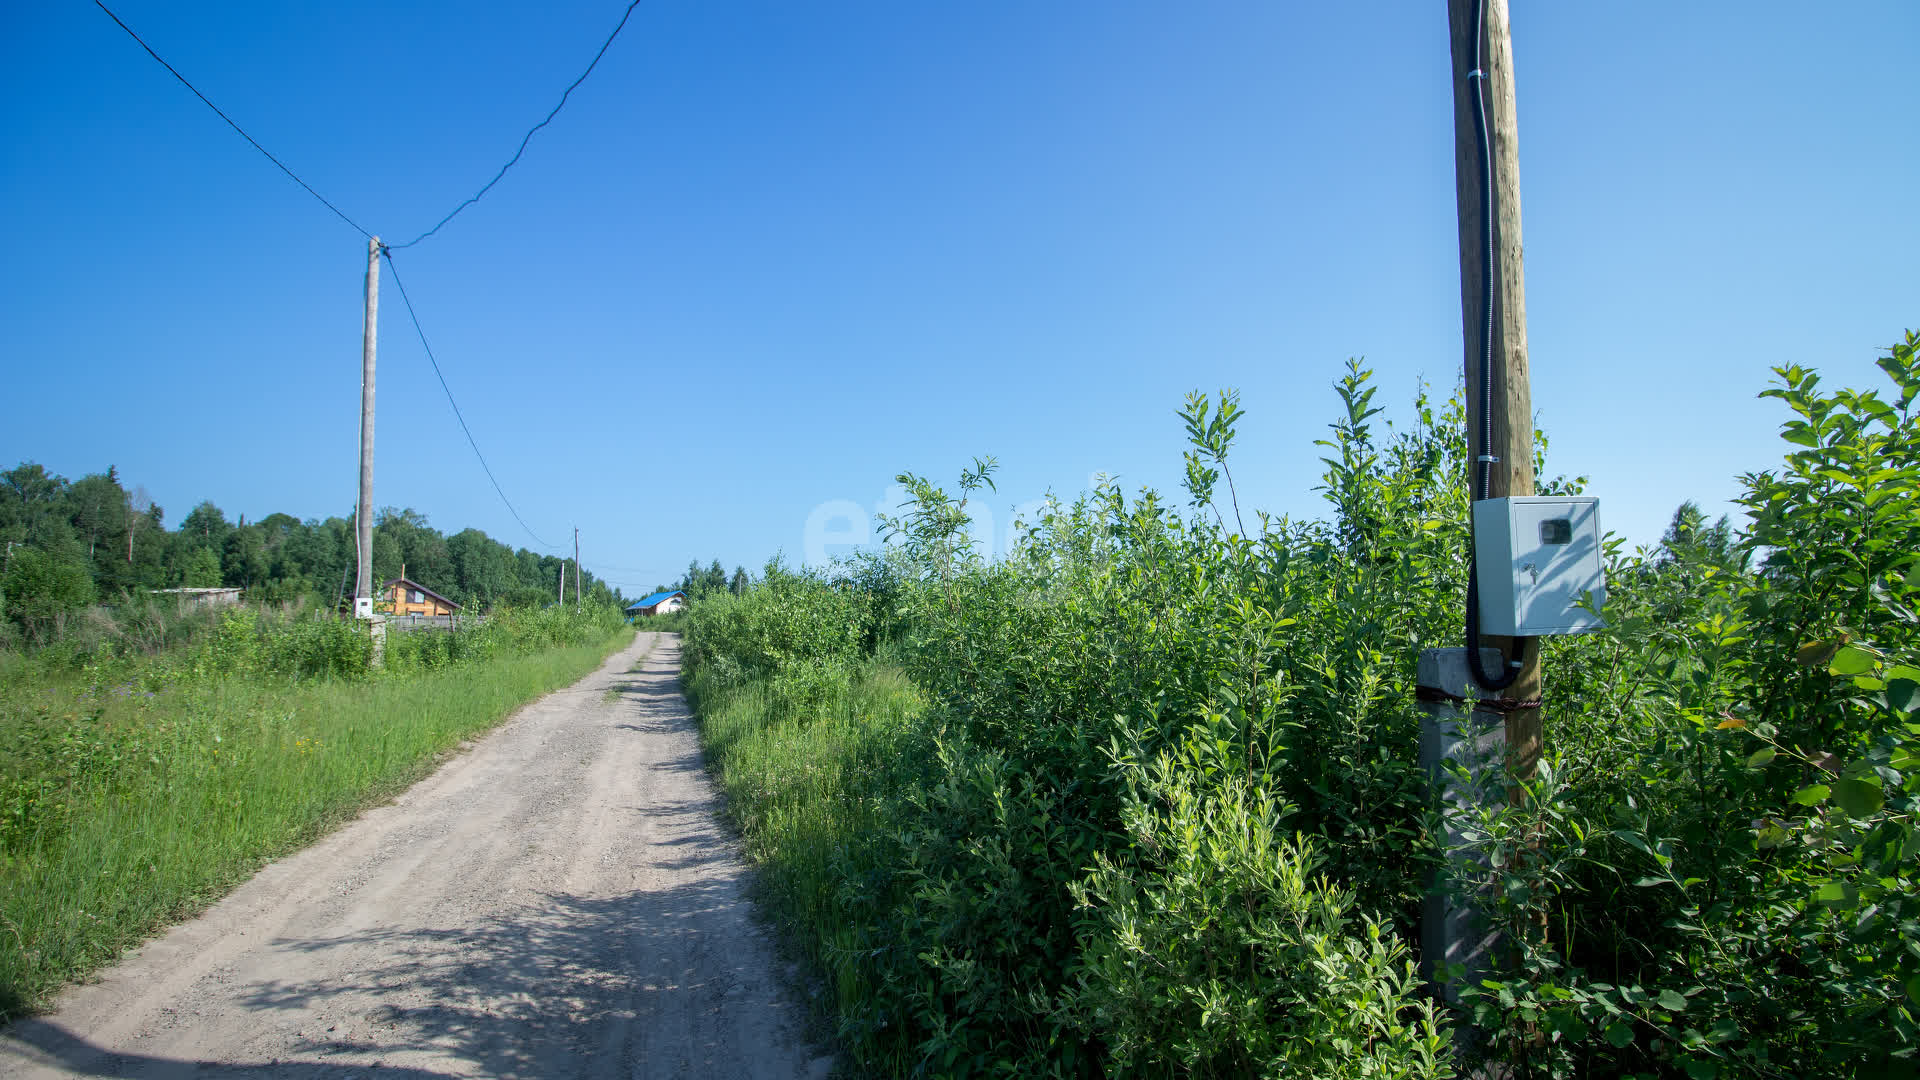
576,568
1507,401
561,596
363,528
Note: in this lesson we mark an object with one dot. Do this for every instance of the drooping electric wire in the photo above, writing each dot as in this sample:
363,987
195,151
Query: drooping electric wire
525,140
217,112
475,197
387,249
417,329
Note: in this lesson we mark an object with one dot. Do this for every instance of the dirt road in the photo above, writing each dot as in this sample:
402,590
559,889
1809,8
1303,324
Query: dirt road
557,901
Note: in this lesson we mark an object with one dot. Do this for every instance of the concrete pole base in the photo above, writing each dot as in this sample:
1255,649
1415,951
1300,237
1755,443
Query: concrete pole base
377,625
1453,930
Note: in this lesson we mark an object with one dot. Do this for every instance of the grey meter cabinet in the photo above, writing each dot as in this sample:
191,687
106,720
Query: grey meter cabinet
1536,556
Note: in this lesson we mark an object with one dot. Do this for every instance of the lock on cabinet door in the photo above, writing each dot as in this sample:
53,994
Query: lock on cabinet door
1536,556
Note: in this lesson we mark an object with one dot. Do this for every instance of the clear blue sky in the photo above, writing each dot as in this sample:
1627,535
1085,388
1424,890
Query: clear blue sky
774,253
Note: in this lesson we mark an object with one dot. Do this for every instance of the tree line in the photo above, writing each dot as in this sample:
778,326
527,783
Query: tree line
69,544
701,581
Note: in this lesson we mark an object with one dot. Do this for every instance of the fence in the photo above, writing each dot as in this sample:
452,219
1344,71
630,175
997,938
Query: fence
408,623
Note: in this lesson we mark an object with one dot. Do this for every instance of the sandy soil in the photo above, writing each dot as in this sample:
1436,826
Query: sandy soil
558,900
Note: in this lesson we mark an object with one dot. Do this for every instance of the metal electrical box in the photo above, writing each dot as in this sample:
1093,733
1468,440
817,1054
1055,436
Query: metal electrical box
1536,555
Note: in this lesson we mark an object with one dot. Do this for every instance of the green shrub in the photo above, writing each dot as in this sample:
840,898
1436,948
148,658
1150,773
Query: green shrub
43,589
1159,812
1224,951
1722,849
981,933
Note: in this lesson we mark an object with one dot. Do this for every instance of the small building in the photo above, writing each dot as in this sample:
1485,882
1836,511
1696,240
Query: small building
404,596
660,603
201,599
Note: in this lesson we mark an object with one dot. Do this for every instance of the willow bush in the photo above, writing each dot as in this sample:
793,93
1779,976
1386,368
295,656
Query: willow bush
1155,808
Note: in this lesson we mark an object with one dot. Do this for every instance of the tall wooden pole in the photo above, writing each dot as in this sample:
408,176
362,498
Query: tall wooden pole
576,568
1511,400
363,534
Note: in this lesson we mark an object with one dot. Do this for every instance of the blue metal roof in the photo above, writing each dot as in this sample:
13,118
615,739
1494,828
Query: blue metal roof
649,601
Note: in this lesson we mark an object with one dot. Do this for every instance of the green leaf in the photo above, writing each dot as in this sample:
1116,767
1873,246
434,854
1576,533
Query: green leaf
1850,661
1671,1001
1620,1033
1813,795
1903,695
1761,758
1636,839
1860,796
1833,892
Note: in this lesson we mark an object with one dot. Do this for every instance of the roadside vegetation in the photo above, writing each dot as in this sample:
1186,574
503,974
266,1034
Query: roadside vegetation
1142,798
150,769
670,623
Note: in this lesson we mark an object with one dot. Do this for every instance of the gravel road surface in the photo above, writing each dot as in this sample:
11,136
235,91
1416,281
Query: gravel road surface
557,900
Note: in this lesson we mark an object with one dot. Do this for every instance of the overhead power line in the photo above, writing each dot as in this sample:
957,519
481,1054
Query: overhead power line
387,249
324,201
216,111
604,46
415,318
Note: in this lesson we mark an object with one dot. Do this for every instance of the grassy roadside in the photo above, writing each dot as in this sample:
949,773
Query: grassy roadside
814,789
161,801
673,622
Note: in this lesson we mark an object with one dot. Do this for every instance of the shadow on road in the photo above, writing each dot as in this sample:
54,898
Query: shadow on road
568,986
59,1048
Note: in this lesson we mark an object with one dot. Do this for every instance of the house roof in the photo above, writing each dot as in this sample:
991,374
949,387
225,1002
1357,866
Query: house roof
656,598
412,584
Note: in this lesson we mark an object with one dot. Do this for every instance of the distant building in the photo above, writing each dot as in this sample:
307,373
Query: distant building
404,596
201,599
660,603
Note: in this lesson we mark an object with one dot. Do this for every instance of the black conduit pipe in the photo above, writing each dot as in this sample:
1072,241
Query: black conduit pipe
1483,464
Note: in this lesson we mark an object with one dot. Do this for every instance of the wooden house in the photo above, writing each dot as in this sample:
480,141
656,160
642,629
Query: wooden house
404,596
